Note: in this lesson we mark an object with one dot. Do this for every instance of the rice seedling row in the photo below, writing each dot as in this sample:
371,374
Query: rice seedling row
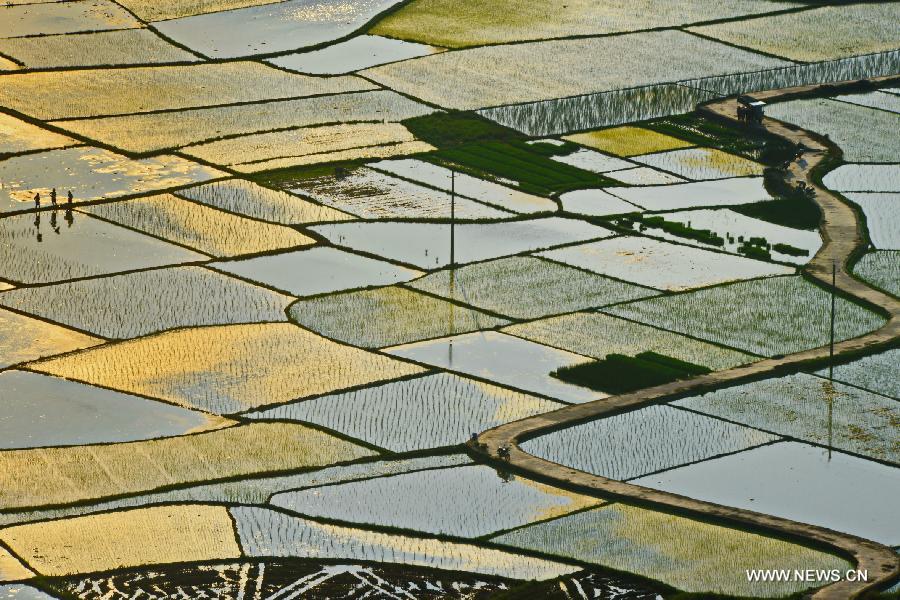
881,269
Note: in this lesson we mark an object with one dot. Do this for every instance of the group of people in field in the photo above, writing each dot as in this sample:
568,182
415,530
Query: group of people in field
37,198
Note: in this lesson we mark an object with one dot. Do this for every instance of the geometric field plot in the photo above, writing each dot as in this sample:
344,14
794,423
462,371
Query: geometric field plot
469,501
778,315
811,409
39,410
598,335
264,532
702,163
502,359
644,441
882,216
696,194
392,315
98,471
200,227
880,269
316,271
43,248
691,555
527,287
18,136
427,245
413,414
63,17
135,304
92,174
662,265
24,339
879,373
851,494
226,369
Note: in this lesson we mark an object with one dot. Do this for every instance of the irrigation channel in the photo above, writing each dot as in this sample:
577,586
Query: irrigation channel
843,239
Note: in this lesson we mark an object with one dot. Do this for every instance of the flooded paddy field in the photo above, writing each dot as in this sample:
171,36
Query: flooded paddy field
278,278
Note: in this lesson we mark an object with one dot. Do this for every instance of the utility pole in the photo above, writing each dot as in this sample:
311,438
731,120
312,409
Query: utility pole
831,391
452,262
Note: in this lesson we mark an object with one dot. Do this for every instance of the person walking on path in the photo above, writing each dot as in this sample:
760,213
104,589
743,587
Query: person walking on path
69,200
37,200
53,196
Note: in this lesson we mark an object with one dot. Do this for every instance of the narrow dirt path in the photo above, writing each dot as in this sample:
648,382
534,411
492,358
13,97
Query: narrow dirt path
842,236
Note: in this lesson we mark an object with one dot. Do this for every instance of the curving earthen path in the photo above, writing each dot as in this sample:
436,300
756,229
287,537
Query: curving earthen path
842,237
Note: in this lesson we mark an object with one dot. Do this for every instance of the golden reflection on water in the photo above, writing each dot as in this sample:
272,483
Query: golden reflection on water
11,569
627,141
145,536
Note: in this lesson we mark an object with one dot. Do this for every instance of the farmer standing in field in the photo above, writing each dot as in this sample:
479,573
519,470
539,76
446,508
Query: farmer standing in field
69,200
37,200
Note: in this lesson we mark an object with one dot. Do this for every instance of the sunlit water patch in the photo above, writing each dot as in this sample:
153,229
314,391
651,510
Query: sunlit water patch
135,304
880,100
644,176
702,163
662,265
23,339
596,203
427,245
469,501
644,441
414,414
91,174
882,213
879,373
316,271
271,28
781,478
503,359
63,17
360,52
593,161
47,411
881,269
64,244
779,315
864,178
722,192
18,136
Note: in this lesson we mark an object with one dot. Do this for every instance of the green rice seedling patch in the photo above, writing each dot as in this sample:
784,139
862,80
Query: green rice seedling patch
690,555
533,172
863,134
503,359
824,33
168,130
662,265
797,212
135,304
371,194
316,271
230,368
881,269
393,315
62,245
643,441
50,18
414,414
528,288
102,48
627,140
882,217
470,501
117,91
45,411
877,373
268,533
427,245
257,202
271,28
23,339
810,409
91,174
598,335
780,478
774,316
620,374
